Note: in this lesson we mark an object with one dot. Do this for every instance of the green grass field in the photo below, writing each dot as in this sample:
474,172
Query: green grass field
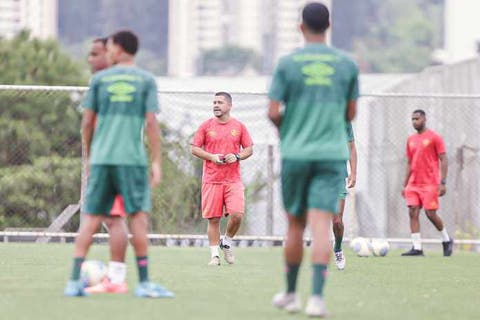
32,278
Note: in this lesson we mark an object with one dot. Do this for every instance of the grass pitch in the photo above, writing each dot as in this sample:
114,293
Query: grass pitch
32,278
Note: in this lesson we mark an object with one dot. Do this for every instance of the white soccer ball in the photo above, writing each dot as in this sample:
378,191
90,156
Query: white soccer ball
380,247
361,247
93,272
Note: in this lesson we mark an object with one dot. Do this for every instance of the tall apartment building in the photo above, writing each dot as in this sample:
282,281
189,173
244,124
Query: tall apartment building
39,16
269,27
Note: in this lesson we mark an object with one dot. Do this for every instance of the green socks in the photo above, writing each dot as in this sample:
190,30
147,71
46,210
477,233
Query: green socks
142,265
338,244
76,268
292,272
319,276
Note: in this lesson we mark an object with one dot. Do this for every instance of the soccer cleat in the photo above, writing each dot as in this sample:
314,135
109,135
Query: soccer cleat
74,288
340,260
316,307
152,290
227,252
289,302
106,286
413,252
447,248
215,261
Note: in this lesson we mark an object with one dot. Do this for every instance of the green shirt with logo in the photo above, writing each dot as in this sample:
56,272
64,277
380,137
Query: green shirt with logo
315,83
120,96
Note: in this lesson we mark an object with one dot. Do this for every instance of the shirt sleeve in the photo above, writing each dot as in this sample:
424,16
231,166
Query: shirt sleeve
151,99
278,87
353,90
439,145
350,135
198,139
246,139
90,99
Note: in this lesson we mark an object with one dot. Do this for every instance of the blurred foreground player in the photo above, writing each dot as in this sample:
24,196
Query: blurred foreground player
123,99
318,86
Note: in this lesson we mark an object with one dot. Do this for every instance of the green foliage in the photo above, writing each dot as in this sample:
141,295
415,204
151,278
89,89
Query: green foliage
32,195
400,35
228,60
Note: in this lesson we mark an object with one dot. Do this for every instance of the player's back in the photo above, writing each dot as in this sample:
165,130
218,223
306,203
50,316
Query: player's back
315,83
121,96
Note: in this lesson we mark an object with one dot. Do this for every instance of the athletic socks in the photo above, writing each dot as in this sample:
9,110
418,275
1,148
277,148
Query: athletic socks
417,241
445,236
292,273
142,266
117,272
227,241
76,268
214,251
319,277
338,244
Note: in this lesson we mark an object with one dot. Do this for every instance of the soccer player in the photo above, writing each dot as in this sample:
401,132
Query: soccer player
222,142
425,181
123,99
115,223
318,86
338,226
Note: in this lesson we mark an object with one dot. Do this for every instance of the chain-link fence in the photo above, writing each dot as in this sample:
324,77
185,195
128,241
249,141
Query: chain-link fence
41,163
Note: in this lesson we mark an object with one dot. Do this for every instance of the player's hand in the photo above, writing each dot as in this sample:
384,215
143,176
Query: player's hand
351,181
155,175
218,159
442,189
230,158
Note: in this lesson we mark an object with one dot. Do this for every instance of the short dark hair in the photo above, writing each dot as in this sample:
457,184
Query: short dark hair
102,40
127,40
316,17
224,94
420,111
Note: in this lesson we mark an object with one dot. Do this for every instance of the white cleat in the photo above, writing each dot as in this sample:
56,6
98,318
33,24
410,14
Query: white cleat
227,253
215,261
340,260
289,302
316,307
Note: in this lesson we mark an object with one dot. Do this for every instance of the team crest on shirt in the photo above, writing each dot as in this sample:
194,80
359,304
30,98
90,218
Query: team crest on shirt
212,133
234,133
411,144
426,142
433,204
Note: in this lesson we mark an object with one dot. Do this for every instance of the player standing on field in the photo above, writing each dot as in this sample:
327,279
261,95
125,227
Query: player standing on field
425,181
115,223
122,99
338,226
222,142
318,86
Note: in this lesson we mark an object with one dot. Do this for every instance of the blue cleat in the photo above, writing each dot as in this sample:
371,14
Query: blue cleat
74,288
152,290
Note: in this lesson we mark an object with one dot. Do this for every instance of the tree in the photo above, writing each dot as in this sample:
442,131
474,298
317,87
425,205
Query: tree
228,60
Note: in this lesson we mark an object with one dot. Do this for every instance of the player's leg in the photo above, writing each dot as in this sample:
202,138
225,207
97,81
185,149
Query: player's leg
133,184
414,203
98,197
338,230
212,211
326,180
295,180
234,198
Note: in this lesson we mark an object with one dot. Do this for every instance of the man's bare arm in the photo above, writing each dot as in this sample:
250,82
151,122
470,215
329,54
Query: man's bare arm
274,113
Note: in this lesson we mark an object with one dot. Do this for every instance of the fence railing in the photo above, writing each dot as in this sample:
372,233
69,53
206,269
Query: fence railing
41,163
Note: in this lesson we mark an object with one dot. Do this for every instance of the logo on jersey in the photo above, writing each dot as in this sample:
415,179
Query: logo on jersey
121,92
234,133
426,142
318,74
212,133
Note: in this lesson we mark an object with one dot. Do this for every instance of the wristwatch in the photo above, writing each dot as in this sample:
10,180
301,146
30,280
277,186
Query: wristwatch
237,156
444,181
